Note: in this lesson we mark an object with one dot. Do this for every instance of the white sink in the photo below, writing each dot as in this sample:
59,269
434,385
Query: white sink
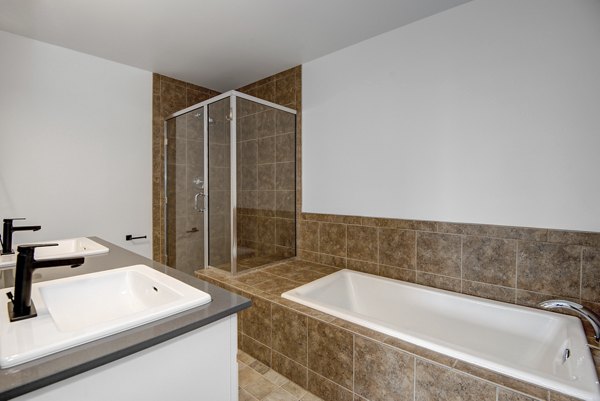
75,310
67,248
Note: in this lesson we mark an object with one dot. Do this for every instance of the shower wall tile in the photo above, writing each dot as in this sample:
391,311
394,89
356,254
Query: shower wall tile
266,203
168,96
266,177
284,204
275,198
265,124
285,148
173,98
285,90
285,176
266,92
246,128
266,150
249,154
285,123
257,123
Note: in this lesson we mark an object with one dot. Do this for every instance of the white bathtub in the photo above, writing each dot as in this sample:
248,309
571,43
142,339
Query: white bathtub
516,341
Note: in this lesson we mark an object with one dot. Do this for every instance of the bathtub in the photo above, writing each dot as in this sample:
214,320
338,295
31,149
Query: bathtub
516,341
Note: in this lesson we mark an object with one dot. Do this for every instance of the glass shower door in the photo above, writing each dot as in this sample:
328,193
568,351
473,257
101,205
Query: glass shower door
219,181
185,191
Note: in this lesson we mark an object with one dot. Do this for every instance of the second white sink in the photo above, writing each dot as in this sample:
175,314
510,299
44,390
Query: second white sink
67,248
75,310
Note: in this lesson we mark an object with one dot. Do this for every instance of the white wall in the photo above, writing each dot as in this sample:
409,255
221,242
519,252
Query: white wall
486,113
75,144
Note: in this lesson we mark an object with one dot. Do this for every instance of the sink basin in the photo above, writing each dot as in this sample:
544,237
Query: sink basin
67,248
75,310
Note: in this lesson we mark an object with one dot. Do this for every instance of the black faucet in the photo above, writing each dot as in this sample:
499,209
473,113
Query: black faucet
22,305
7,232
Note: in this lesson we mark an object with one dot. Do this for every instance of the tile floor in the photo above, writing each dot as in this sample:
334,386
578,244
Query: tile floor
258,382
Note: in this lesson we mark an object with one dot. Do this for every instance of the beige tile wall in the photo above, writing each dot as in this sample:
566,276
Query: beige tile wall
509,264
168,96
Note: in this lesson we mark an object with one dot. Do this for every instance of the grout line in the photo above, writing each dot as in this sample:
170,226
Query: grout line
461,262
581,275
353,360
516,270
416,251
414,378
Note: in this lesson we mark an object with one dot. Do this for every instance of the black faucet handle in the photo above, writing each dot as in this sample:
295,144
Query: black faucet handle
30,248
13,219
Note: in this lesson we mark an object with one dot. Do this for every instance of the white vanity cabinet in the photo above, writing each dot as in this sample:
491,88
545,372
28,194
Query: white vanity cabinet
198,365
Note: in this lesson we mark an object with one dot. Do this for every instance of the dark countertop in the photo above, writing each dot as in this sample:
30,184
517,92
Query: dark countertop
50,369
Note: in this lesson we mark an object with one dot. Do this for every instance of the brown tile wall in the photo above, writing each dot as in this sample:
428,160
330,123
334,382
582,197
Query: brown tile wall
269,229
266,226
168,96
338,360
509,264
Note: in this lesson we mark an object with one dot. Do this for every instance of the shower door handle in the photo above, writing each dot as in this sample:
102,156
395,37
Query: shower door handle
196,206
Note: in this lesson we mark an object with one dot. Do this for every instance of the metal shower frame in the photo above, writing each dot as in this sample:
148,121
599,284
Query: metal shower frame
233,95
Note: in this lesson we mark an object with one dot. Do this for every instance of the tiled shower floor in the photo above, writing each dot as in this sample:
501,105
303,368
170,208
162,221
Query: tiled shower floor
258,382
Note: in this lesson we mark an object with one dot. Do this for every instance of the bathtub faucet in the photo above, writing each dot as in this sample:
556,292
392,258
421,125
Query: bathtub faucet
581,310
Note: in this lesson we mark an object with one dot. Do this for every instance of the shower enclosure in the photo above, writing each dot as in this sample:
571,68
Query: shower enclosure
230,184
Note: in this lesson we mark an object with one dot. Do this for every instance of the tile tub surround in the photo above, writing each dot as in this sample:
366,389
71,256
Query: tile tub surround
510,264
338,360
168,96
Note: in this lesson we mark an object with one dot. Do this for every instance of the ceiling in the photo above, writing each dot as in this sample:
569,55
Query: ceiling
219,44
